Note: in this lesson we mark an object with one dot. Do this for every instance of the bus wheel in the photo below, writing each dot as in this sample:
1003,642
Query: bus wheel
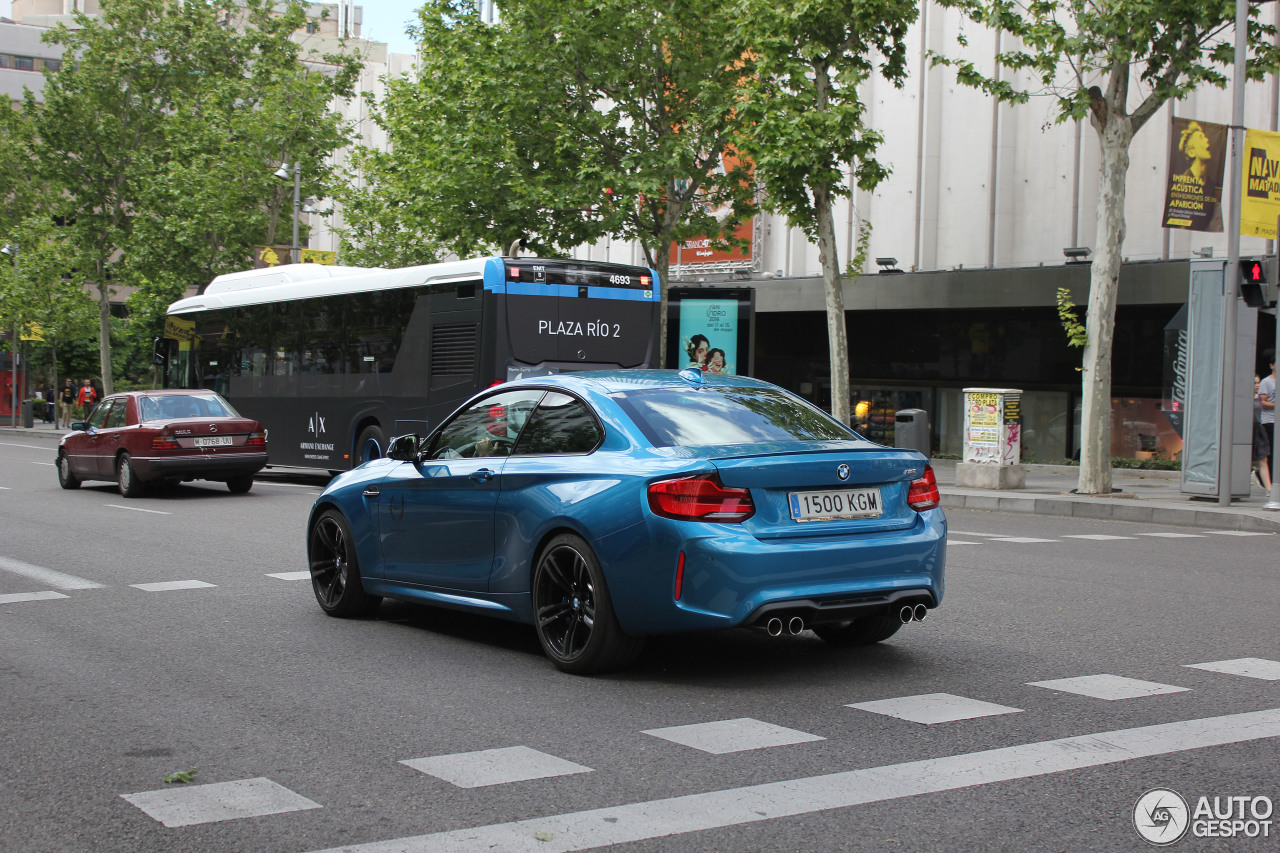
369,445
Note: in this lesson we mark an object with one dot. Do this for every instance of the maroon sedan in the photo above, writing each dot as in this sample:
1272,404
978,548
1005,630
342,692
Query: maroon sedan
141,437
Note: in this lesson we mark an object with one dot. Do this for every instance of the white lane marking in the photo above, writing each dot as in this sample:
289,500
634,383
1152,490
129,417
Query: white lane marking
586,830
170,585
951,541
494,766
1097,537
50,464
187,806
49,576
1109,687
15,597
1239,533
138,509
4,488
1175,535
1267,670
725,736
289,576
971,533
289,485
1022,540
931,708
25,446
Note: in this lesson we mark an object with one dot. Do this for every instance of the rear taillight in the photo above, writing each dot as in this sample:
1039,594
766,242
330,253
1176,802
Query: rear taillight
256,439
164,442
700,499
923,493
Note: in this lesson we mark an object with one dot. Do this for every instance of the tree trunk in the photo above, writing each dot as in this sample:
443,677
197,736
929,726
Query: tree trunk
837,333
662,266
1104,286
104,331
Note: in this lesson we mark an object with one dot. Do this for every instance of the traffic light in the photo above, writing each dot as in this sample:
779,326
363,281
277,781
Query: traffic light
1253,283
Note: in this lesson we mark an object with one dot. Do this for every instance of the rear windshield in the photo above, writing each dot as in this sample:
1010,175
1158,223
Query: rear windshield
170,406
688,417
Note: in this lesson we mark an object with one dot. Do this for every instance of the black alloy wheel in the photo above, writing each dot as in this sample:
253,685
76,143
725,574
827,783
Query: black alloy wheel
66,479
240,483
335,574
573,613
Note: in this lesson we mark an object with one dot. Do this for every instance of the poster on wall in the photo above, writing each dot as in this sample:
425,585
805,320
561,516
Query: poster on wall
1193,197
712,329
700,250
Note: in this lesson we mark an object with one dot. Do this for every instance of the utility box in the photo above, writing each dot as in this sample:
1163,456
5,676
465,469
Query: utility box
911,430
28,414
992,440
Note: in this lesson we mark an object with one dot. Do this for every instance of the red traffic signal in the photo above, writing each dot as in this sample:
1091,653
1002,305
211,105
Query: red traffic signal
1252,272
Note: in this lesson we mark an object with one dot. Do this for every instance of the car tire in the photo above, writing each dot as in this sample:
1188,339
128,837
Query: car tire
370,445
66,479
335,571
127,479
573,613
863,631
240,484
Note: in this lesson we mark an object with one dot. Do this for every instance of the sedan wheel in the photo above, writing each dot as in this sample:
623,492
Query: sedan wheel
573,612
335,574
66,479
130,485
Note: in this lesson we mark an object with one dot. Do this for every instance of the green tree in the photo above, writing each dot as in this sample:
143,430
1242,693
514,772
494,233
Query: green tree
1116,63
561,124
163,133
804,122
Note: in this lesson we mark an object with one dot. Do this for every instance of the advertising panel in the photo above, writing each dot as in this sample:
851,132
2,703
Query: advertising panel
1260,195
711,328
1193,199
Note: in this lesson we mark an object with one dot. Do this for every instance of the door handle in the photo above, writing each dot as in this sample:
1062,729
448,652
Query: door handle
481,476
372,492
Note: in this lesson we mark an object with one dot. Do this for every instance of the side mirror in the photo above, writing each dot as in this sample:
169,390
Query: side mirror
78,426
403,448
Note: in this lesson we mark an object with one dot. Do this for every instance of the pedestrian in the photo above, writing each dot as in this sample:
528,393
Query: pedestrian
66,401
1267,397
50,403
87,397
1261,446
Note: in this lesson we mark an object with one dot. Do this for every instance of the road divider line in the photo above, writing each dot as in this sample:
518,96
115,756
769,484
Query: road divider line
13,598
138,509
587,830
23,446
50,464
49,576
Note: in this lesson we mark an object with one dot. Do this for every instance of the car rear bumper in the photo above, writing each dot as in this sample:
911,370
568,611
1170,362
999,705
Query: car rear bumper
732,579
199,466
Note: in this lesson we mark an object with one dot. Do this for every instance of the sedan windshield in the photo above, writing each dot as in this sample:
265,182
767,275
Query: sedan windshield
679,417
169,406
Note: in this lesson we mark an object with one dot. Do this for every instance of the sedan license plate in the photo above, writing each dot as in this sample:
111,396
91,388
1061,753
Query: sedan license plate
213,440
842,503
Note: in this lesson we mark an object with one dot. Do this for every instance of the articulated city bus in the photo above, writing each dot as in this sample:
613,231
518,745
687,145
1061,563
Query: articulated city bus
336,360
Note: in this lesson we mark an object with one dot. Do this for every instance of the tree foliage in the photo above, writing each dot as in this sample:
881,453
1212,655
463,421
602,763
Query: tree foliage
1115,63
162,135
804,122
561,124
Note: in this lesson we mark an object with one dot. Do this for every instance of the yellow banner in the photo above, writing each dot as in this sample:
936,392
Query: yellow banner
318,256
1260,190
32,332
179,329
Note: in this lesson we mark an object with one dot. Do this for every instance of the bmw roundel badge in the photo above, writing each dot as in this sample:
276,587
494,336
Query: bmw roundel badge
843,471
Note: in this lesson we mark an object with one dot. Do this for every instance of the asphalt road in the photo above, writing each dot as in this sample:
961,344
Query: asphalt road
427,730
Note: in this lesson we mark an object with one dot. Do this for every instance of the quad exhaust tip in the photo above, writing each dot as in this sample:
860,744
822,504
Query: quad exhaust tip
795,625
775,625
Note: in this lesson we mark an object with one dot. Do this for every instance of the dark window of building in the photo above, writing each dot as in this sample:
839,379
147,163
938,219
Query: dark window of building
24,63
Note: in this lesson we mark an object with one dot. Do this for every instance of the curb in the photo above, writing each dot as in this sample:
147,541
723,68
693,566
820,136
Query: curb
1135,510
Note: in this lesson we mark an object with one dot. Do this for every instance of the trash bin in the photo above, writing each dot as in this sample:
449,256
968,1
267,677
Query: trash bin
28,413
911,430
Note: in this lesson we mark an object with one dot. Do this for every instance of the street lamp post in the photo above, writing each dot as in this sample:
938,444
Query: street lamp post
284,173
11,251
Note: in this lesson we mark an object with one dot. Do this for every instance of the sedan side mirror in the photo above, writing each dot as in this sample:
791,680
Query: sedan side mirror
403,448
78,426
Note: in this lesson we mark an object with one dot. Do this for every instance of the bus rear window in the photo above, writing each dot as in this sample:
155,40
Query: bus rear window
677,417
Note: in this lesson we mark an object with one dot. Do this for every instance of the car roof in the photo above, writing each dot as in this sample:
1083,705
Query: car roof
623,381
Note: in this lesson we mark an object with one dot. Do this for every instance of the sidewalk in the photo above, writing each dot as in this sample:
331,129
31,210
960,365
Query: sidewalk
1153,497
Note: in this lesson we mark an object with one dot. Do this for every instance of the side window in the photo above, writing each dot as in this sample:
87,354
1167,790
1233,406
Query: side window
487,428
561,424
116,416
99,415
